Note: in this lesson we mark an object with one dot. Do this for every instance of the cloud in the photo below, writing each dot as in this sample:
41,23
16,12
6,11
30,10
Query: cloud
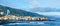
43,3
33,3
45,9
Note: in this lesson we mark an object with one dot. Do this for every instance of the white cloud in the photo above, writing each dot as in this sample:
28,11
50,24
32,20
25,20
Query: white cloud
43,3
33,3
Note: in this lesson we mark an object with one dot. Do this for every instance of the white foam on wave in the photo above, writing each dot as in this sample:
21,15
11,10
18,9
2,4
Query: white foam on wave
27,23
17,23
36,22
22,23
41,23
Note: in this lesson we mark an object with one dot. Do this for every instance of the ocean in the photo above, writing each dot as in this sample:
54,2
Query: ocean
34,23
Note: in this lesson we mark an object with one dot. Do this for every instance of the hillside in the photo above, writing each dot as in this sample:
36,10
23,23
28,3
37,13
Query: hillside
18,12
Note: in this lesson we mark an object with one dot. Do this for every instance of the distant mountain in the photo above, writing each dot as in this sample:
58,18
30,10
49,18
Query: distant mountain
19,12
45,9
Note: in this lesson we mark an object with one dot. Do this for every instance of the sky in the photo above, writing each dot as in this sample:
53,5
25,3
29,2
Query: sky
25,4
31,4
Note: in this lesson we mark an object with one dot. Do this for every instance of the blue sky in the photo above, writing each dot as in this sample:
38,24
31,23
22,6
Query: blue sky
31,4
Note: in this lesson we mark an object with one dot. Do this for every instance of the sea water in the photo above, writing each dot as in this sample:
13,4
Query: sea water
34,23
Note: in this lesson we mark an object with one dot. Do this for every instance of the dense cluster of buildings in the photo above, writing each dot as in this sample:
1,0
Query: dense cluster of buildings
12,17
